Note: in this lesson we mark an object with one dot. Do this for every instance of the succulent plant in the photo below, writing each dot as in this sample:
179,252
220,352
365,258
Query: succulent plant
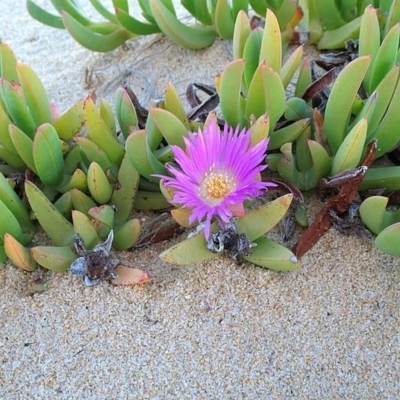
316,144
213,18
89,181
332,23
251,88
217,173
73,183
252,91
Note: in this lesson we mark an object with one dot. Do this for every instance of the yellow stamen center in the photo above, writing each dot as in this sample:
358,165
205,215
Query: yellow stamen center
216,186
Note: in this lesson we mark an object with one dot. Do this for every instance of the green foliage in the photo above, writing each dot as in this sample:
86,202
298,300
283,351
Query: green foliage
333,22
72,173
90,182
213,19
255,224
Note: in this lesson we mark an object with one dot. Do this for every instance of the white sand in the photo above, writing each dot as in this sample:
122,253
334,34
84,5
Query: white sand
209,331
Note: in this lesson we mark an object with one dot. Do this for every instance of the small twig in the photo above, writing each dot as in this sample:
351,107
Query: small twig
338,203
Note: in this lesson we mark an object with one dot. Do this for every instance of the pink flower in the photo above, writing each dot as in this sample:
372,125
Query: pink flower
218,172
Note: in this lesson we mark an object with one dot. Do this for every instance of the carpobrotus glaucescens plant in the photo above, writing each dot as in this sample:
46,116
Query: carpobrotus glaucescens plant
217,172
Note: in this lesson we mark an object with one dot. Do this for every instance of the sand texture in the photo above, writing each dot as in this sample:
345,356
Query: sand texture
214,330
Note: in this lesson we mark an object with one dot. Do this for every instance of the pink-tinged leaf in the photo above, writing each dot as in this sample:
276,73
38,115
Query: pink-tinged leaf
130,276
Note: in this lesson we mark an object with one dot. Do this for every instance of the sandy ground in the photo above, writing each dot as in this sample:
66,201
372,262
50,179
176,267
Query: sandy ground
214,330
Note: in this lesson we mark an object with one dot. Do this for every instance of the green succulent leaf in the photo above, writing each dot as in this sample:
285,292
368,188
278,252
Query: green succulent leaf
14,102
271,255
199,9
23,145
296,109
238,6
259,221
259,130
8,63
153,135
54,258
387,130
92,40
72,160
107,115
241,34
367,112
369,40
329,13
336,39
372,212
12,201
385,58
55,225
287,12
134,25
5,139
142,158
84,227
304,180
35,94
340,101
127,235
101,134
251,52
98,184
388,240
71,122
64,204
122,4
172,129
381,177
11,159
191,37
266,94
254,224
44,16
103,219
77,180
393,17
271,46
223,20
384,96
124,194
259,6
350,151
93,152
47,155
230,92
190,251
291,65
146,200
126,112
304,79
81,201
288,133
3,255
73,8
9,223
173,104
